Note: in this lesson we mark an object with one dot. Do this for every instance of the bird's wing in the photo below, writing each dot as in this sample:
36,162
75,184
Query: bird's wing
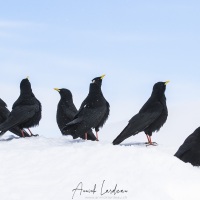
4,113
189,142
139,122
70,128
75,121
83,122
83,105
18,116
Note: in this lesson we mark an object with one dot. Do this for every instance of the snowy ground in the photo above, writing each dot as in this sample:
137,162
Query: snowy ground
46,168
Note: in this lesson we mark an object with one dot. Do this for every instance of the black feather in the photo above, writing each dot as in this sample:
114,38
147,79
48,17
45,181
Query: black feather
26,111
66,112
189,151
93,113
151,116
4,114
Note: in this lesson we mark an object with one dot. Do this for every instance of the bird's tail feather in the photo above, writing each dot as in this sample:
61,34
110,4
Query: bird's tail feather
17,132
120,138
77,128
5,126
127,132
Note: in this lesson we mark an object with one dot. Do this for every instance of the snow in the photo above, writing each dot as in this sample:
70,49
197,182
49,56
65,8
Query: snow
45,168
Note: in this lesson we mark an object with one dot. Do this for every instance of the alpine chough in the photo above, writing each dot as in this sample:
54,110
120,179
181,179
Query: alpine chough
66,111
150,118
93,113
26,111
189,151
4,114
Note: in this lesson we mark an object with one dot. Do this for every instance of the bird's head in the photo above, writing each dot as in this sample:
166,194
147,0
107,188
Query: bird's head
160,87
64,93
98,80
25,86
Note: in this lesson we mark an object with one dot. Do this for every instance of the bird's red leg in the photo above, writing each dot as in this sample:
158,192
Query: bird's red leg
150,142
97,136
148,139
85,136
22,132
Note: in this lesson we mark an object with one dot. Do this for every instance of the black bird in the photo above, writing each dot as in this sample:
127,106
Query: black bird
189,151
66,111
93,112
26,111
150,118
4,114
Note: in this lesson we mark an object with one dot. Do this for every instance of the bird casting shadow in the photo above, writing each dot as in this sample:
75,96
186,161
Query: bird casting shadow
76,141
9,139
138,144
134,144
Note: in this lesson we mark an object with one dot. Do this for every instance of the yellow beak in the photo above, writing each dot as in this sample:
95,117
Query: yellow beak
166,82
102,76
56,89
27,77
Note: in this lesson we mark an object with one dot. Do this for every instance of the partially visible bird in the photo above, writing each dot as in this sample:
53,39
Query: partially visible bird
150,118
66,111
93,113
4,114
189,151
26,111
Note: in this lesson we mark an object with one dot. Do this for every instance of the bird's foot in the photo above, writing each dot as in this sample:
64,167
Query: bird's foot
34,135
151,144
